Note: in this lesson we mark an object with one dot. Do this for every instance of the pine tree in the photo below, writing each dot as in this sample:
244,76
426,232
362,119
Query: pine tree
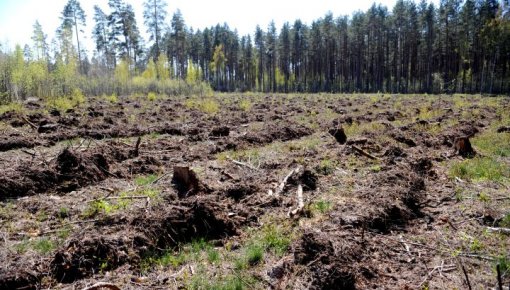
73,16
155,15
40,44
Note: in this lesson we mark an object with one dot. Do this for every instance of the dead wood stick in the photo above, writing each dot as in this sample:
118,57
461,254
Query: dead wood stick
300,202
500,281
475,256
29,123
364,153
281,186
101,285
243,164
137,146
159,178
126,197
439,269
465,274
33,154
503,231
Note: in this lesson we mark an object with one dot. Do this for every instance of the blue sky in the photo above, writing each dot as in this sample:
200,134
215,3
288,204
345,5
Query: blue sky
18,16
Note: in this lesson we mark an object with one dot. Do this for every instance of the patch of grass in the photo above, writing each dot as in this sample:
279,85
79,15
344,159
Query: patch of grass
304,144
245,105
145,180
77,97
213,255
44,246
322,206
505,221
60,104
63,212
165,259
326,167
98,206
16,107
107,207
64,232
476,245
504,264
254,254
251,156
484,197
111,98
356,129
41,245
41,216
427,113
236,281
433,129
275,239
208,105
493,143
375,168
480,168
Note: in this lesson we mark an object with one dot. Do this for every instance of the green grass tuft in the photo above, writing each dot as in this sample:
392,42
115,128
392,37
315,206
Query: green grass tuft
479,169
254,254
145,180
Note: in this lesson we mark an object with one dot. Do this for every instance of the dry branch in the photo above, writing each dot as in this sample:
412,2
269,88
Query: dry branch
364,153
242,164
281,186
504,231
137,146
300,202
29,123
102,285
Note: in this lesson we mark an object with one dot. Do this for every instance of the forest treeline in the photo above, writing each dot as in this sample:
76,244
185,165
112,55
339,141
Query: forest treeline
460,46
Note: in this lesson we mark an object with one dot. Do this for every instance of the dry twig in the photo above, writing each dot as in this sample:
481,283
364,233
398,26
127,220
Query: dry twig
101,285
504,231
300,202
364,153
281,186
243,164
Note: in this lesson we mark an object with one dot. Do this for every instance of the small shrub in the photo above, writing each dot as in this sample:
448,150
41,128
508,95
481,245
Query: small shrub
77,97
112,98
61,104
152,96
209,106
